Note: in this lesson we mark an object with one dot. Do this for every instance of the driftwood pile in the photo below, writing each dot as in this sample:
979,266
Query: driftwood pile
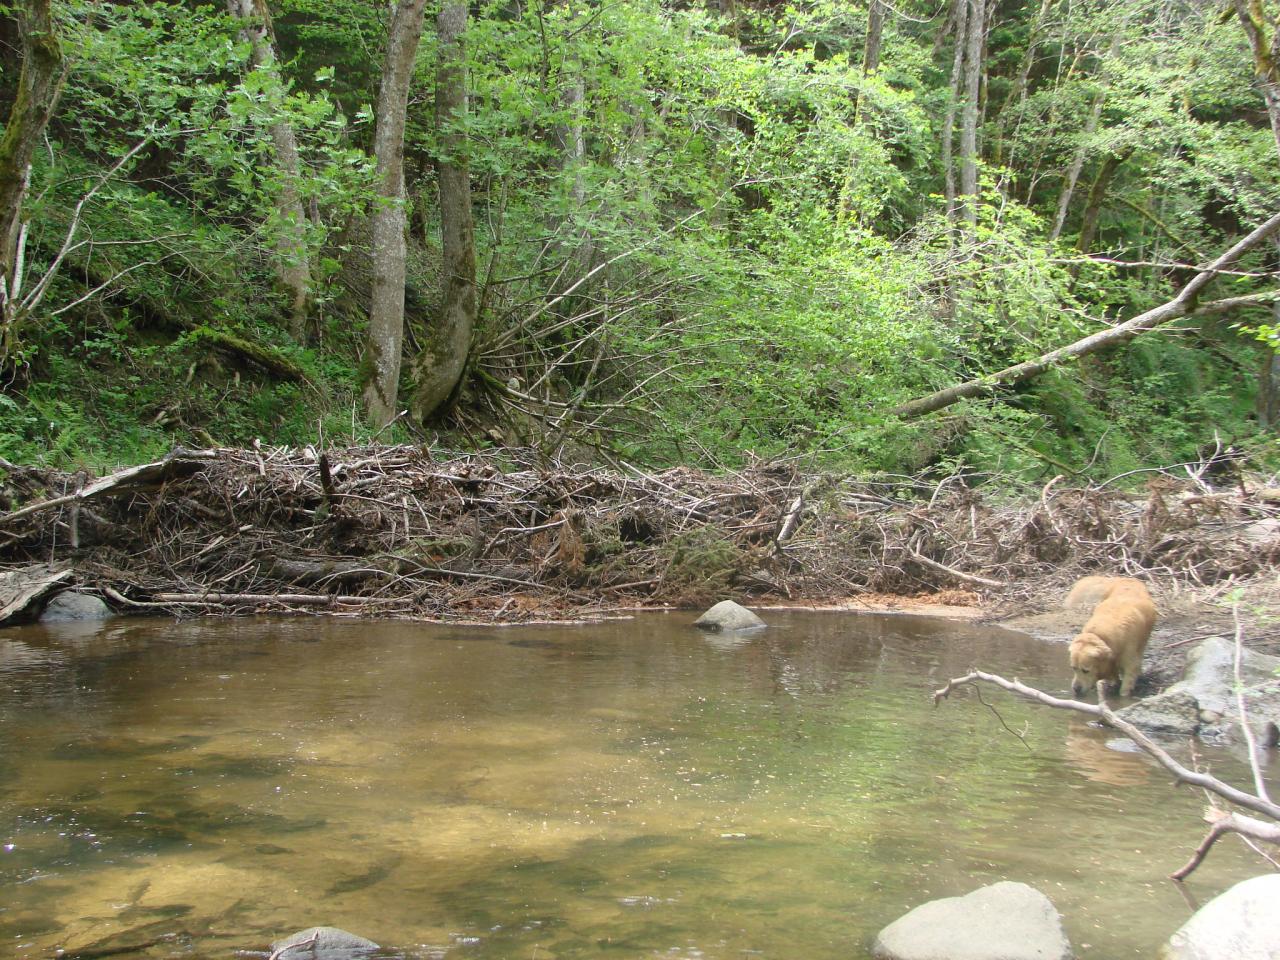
401,531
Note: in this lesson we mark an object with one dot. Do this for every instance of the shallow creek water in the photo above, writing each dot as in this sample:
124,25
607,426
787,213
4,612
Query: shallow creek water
626,789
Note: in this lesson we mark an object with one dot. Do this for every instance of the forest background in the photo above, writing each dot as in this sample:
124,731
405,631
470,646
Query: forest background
639,230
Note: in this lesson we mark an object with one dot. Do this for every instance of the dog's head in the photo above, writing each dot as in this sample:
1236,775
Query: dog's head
1091,661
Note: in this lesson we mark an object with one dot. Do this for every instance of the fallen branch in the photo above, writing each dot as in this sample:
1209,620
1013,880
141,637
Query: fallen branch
1224,823
1102,712
1182,305
180,463
966,577
22,587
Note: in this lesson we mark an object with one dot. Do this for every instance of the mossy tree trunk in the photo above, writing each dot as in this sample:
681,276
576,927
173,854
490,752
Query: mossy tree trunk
439,366
39,85
385,337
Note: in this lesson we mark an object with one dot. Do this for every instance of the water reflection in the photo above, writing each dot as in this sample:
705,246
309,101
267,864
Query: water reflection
628,788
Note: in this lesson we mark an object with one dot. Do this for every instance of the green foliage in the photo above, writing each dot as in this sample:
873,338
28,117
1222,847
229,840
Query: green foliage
781,270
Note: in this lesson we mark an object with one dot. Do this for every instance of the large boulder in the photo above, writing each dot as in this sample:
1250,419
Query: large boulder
72,607
1241,924
727,615
323,943
1004,921
1204,702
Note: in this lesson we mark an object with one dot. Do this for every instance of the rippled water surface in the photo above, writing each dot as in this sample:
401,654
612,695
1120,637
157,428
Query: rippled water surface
628,789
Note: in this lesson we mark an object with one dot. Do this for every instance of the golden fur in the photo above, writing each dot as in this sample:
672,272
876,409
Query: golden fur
1110,645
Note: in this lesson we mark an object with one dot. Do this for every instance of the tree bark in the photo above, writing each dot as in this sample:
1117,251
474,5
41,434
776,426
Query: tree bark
1019,94
871,50
961,19
1268,402
439,366
385,337
293,266
1266,56
39,86
870,64
1180,306
974,37
1075,167
1093,206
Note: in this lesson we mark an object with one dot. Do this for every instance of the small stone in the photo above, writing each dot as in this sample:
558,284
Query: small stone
1240,924
323,943
727,615
69,607
1003,921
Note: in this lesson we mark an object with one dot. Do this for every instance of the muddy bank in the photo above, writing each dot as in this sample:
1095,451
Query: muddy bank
509,536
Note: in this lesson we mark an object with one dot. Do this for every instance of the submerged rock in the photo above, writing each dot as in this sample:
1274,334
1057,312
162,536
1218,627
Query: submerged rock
727,615
1204,703
72,607
1241,924
323,943
1003,921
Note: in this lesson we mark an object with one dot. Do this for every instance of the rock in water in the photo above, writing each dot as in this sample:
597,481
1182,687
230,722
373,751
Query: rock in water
727,615
323,943
72,607
1004,921
1241,924
1204,701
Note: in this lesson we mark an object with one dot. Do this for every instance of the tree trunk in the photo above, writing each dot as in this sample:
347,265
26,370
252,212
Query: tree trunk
1266,56
1077,165
871,51
1269,384
438,367
39,85
1180,306
1019,94
870,64
974,36
1093,206
293,267
385,336
961,19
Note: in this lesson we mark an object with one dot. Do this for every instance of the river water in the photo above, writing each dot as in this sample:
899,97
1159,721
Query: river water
626,789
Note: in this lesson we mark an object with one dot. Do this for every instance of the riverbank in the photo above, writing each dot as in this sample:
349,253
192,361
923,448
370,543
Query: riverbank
508,536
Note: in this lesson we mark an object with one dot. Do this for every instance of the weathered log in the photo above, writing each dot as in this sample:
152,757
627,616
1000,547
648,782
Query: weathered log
24,586
181,463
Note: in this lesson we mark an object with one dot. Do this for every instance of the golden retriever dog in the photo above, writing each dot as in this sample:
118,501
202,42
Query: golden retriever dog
1110,645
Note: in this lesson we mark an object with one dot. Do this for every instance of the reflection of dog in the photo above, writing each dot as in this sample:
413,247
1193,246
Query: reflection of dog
1090,753
1110,645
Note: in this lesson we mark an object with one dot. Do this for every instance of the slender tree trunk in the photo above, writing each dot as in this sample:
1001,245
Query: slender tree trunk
39,85
1269,384
293,266
1018,97
1097,194
871,51
1076,166
870,64
385,337
961,20
1266,56
974,36
439,366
